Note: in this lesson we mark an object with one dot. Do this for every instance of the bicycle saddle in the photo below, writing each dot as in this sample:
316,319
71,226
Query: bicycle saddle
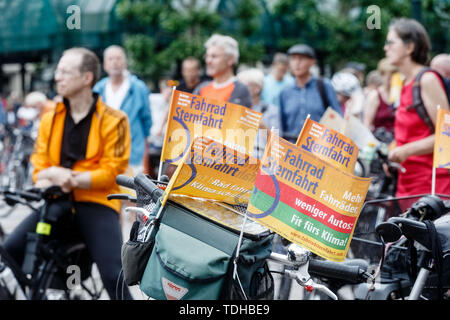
429,207
418,231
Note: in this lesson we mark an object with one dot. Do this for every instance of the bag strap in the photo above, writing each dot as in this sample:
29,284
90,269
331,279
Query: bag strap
322,92
436,251
413,260
417,98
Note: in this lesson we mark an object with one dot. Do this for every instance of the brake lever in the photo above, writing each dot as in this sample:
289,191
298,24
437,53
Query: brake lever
324,289
304,279
397,166
11,200
121,196
393,165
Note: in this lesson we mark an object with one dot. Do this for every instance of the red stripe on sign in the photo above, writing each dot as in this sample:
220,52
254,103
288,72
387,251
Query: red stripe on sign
306,205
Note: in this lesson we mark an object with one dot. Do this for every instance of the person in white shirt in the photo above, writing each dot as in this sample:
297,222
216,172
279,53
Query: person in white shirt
122,90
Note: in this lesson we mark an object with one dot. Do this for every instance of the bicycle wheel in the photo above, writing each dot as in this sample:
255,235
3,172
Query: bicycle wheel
78,277
67,275
13,282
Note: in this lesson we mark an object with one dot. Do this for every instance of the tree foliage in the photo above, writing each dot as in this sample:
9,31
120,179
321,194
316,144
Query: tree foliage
162,33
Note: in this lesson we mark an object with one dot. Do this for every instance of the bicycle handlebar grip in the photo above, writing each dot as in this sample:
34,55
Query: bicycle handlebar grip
328,269
125,181
408,223
30,196
148,186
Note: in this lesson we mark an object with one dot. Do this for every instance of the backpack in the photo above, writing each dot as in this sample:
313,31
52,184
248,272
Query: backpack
417,98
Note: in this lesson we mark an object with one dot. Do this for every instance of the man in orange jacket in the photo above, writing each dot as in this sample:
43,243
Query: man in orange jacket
82,146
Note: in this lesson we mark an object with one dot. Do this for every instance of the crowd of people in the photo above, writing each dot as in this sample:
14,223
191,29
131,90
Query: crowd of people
286,93
96,129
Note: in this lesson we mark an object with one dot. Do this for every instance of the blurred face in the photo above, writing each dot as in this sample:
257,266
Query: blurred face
190,71
217,61
114,62
279,70
255,90
396,50
68,77
342,99
386,77
300,64
441,63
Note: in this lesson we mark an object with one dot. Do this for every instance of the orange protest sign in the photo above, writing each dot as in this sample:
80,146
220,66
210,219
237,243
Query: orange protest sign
329,145
307,200
212,171
441,156
190,116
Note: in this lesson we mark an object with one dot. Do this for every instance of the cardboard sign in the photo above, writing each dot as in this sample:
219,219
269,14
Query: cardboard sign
328,145
306,200
333,120
441,156
350,127
191,116
213,171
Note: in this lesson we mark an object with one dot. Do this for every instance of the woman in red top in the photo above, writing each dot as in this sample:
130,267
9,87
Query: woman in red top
407,48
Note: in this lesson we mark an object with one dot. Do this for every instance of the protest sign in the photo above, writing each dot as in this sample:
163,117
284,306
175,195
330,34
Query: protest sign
332,119
328,145
212,171
358,132
306,200
190,115
350,126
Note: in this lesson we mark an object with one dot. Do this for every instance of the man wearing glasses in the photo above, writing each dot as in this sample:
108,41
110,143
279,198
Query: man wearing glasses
82,145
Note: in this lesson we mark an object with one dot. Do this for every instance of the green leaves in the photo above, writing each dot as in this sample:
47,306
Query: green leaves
161,33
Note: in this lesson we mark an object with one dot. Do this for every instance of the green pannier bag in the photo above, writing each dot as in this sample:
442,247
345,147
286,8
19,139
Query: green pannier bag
193,259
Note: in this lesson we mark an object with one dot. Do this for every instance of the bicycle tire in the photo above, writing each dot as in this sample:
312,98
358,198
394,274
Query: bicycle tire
80,291
41,288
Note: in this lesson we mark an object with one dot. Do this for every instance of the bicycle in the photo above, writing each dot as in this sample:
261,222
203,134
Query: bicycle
52,251
301,265
17,147
390,242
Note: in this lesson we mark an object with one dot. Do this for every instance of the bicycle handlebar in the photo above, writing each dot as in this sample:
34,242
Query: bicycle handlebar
148,186
329,269
125,181
390,164
30,196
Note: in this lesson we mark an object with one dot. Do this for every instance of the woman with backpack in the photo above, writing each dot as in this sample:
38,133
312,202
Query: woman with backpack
407,47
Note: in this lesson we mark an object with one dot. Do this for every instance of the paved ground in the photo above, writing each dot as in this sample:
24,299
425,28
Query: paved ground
10,222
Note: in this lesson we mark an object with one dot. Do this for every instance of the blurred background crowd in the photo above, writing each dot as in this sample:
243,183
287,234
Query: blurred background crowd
161,44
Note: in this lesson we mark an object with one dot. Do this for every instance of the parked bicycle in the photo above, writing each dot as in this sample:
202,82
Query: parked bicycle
408,246
175,252
17,146
53,253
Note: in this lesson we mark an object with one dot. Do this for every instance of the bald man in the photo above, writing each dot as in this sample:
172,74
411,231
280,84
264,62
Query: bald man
124,91
441,63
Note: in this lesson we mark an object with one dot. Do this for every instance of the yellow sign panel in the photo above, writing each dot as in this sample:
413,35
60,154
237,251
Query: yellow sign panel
213,171
328,145
306,200
442,140
191,116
